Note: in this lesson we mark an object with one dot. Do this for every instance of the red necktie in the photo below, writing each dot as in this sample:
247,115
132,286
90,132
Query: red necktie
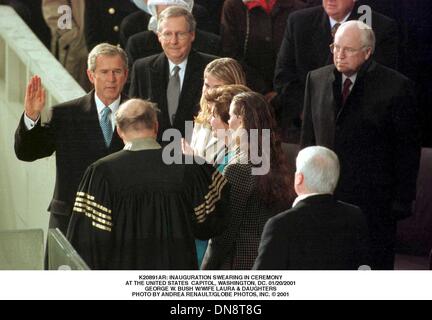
346,90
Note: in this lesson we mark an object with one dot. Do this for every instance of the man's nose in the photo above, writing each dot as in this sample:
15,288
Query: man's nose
341,54
111,76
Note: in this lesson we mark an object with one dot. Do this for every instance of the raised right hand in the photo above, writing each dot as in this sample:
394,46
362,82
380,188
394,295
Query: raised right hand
34,100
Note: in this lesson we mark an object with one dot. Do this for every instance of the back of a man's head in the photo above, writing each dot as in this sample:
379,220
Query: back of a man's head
320,169
137,115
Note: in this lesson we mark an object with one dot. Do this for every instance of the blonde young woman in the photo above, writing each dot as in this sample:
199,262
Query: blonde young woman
219,72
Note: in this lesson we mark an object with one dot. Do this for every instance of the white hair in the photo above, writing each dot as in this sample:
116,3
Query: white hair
320,168
367,35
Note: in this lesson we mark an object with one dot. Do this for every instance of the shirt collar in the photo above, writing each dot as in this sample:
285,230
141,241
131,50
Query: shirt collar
333,21
113,106
148,143
182,65
352,78
302,197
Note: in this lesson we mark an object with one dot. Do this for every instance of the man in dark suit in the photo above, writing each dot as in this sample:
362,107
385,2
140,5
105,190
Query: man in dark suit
79,131
152,77
146,43
307,37
367,114
319,232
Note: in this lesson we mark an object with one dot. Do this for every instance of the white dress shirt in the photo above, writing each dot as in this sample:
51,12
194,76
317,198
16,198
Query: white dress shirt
352,78
333,21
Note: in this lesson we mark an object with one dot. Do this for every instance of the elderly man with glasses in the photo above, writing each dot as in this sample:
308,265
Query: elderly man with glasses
307,36
366,113
172,79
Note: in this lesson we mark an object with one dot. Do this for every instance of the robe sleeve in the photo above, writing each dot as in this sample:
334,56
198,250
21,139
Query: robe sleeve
209,197
91,225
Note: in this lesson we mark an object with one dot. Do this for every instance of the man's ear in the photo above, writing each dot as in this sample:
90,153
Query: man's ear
298,178
90,76
159,38
368,53
120,133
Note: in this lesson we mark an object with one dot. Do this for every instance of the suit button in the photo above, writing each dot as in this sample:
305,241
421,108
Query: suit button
268,39
116,28
111,10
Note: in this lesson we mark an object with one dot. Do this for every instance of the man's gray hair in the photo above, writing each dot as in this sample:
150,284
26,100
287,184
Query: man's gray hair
105,49
175,11
367,34
136,115
320,168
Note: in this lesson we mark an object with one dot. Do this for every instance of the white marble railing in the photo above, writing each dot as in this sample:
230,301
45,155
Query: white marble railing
25,188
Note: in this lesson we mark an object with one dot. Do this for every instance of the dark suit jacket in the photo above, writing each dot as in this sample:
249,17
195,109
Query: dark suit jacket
149,80
305,47
319,233
375,134
74,134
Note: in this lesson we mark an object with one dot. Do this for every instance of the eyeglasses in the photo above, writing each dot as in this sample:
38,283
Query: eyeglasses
334,48
168,36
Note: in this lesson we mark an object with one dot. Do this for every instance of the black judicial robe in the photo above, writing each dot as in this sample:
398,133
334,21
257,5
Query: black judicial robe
133,211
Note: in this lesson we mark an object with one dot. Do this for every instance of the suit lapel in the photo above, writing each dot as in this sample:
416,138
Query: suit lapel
322,40
356,93
159,76
91,125
191,83
337,94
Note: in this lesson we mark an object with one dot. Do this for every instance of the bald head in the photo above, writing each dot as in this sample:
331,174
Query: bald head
354,43
137,118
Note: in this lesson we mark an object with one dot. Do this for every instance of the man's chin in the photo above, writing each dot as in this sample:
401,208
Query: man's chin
111,91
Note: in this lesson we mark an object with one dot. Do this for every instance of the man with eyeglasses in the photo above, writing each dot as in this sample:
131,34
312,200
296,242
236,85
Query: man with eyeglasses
144,41
173,79
366,113
305,47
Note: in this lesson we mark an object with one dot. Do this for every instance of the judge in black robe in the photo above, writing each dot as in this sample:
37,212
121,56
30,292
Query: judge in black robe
134,210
